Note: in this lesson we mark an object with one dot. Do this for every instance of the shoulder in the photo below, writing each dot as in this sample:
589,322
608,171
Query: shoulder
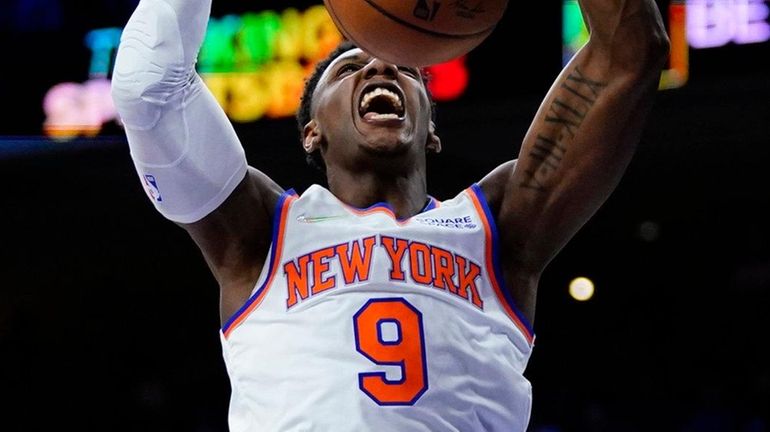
494,184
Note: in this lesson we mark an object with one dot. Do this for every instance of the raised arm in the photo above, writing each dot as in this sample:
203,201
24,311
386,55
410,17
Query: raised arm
581,140
185,149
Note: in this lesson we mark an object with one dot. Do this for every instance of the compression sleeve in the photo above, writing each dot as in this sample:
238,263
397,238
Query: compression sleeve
184,147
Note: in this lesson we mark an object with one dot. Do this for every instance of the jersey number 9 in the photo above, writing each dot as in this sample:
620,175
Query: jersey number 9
388,331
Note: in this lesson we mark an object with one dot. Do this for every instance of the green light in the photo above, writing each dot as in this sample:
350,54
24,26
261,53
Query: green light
257,39
574,31
218,52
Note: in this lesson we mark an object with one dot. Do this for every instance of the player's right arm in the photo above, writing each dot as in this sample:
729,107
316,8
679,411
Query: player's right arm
185,149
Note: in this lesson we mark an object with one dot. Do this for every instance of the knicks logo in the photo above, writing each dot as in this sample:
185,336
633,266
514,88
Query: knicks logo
413,262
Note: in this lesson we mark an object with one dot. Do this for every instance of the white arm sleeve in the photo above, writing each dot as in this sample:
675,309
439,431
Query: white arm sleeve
184,147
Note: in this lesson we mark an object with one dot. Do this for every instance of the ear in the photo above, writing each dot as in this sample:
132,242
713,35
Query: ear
311,136
434,142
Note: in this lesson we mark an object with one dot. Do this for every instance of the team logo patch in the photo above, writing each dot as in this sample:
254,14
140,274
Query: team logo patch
151,187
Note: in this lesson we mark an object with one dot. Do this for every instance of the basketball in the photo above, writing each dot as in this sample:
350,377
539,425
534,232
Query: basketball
417,32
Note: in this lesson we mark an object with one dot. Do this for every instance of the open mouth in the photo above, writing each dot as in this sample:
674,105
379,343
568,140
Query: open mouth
381,102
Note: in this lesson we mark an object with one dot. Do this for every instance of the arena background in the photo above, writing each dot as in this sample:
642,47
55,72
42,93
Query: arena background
108,315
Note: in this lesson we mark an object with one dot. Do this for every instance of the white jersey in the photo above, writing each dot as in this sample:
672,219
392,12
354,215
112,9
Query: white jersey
363,322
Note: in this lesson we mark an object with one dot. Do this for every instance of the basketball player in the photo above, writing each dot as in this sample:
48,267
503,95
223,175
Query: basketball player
371,306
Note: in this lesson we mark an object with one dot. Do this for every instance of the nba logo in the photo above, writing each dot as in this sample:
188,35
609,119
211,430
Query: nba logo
151,186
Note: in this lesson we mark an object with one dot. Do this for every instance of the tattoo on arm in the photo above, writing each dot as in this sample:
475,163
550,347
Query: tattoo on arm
571,104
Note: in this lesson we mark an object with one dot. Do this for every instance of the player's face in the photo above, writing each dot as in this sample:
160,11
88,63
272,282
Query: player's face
365,106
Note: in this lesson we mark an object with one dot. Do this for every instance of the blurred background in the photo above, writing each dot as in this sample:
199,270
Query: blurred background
109,316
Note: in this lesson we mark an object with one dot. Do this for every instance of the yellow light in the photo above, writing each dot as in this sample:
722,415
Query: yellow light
581,288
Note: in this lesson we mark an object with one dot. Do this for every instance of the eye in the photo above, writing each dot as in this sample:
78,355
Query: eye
348,68
414,73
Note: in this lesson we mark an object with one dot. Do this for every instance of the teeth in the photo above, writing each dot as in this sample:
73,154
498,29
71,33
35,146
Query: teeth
379,91
382,116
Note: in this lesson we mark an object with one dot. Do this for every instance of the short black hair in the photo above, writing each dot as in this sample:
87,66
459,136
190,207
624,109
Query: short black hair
315,159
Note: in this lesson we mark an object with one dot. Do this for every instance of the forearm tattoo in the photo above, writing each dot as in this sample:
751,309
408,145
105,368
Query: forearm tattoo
572,103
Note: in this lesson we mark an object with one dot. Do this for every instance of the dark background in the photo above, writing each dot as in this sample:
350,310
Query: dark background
108,315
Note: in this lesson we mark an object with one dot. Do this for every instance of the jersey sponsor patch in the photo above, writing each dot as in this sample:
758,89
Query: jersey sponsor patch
151,187
462,222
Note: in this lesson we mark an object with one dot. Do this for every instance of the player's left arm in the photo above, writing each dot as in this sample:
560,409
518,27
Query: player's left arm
580,142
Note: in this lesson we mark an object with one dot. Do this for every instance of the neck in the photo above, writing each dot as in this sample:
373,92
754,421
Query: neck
407,194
